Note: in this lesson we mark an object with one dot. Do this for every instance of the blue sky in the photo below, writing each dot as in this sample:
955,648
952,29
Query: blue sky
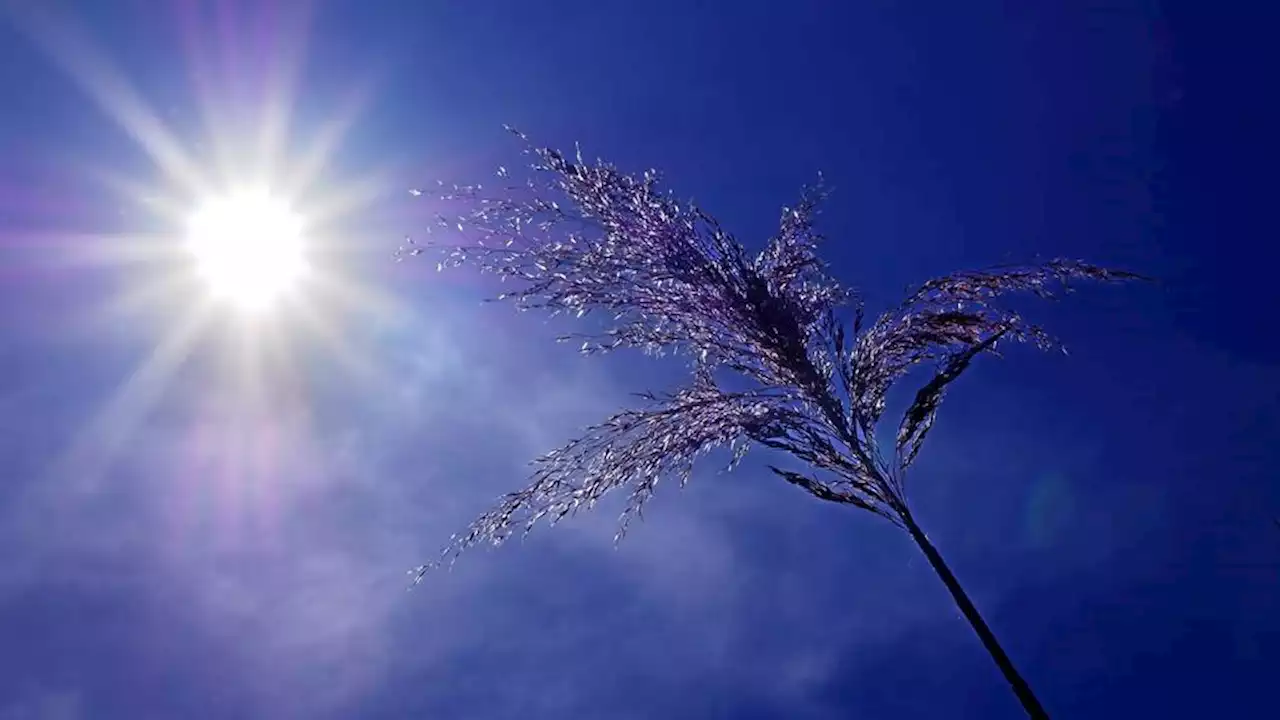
184,536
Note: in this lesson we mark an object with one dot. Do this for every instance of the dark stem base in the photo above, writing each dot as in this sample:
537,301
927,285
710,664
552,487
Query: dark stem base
1020,687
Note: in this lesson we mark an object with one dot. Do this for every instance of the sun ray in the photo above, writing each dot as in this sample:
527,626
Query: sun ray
68,250
245,64
98,445
361,367
289,43
161,292
210,77
169,207
320,150
70,47
353,194
263,42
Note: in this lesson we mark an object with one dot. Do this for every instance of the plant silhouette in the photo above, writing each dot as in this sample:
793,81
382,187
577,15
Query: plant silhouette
773,364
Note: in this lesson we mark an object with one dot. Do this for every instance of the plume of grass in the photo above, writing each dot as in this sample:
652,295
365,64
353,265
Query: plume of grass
772,365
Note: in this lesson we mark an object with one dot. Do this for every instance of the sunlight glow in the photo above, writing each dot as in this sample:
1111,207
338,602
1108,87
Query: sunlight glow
248,247
246,216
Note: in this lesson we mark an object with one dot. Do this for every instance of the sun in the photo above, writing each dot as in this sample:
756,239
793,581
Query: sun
248,247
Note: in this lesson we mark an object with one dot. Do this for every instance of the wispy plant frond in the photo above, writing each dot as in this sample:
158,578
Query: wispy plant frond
919,416
662,275
632,450
948,316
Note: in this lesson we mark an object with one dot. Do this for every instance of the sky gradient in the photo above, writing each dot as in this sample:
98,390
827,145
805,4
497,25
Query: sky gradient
203,518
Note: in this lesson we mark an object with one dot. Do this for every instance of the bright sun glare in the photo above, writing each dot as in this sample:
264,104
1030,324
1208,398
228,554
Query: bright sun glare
243,215
248,247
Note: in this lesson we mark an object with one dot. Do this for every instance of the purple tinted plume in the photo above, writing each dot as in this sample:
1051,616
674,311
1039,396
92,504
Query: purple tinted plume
648,271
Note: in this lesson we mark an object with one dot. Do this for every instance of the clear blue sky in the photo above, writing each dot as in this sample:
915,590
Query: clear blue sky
176,541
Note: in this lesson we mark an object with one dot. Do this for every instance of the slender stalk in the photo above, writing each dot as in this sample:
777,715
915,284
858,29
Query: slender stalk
1020,687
